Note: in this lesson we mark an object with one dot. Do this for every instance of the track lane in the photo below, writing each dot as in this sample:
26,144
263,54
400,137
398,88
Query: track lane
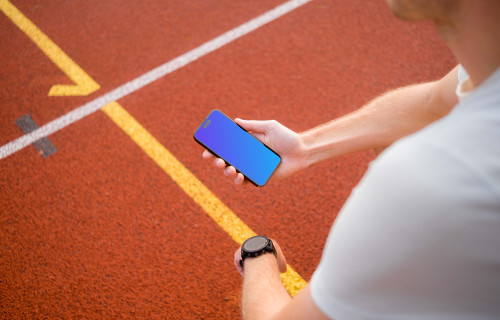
122,240
214,208
263,69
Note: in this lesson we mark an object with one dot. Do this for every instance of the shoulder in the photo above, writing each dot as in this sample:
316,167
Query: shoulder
446,165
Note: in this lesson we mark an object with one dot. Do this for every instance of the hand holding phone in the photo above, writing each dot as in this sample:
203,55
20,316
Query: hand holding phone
228,141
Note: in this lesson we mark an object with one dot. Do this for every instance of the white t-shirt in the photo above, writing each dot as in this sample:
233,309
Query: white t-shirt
419,237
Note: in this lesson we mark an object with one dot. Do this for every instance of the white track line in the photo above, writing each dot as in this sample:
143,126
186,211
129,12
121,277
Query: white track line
147,78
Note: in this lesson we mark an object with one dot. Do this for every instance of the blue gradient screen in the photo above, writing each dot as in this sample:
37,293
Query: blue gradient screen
226,139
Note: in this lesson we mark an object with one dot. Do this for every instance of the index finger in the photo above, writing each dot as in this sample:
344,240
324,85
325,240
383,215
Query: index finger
207,154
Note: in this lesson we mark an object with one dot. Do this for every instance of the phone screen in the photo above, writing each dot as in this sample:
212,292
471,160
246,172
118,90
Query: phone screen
225,139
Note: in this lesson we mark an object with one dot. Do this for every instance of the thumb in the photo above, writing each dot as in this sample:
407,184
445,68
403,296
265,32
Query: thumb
282,266
255,126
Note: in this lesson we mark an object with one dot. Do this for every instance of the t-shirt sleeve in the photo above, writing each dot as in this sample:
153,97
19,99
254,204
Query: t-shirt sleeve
401,248
462,74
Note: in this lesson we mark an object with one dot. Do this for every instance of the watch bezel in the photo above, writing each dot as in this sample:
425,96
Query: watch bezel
267,240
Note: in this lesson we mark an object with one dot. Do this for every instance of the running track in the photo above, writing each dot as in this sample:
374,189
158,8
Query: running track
125,220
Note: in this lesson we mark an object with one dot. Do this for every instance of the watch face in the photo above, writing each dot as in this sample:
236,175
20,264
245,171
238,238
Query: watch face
255,243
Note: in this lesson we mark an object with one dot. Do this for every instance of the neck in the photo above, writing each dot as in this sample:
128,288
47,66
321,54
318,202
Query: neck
473,34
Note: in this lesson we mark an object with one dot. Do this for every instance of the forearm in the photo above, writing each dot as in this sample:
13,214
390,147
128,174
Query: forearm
263,294
378,124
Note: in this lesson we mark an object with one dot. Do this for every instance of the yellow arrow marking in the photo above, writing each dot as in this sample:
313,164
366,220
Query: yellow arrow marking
85,85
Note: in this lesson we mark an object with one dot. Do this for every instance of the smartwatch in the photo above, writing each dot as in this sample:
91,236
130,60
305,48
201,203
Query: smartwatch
256,246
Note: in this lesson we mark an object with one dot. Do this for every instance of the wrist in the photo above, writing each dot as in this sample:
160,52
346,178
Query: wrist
311,148
262,263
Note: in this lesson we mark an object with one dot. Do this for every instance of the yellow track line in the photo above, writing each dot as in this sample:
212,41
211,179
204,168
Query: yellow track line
85,85
193,187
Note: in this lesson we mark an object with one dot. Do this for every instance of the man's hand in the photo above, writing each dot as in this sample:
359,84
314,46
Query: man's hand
264,296
282,267
282,140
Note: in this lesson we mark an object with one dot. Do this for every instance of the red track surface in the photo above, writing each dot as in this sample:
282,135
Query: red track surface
97,230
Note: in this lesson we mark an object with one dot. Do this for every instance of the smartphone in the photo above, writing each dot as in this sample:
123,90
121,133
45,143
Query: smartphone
225,139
